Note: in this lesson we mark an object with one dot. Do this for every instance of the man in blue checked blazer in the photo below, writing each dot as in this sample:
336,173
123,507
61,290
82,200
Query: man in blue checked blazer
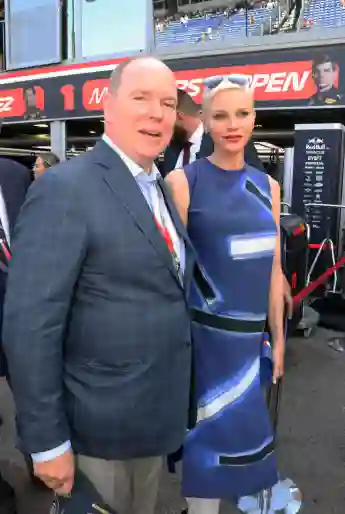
96,322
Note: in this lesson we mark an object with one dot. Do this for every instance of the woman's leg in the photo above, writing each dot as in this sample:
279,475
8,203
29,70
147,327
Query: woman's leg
203,506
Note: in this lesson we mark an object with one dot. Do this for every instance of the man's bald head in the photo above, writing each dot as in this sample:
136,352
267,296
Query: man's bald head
186,104
136,64
140,108
188,117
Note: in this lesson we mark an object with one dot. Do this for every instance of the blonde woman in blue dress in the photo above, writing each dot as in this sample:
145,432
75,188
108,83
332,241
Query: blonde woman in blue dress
232,212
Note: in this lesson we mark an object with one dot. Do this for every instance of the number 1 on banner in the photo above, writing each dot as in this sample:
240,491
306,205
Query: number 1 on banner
69,97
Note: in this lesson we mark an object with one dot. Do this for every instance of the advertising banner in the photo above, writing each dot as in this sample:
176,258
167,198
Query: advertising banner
318,178
281,79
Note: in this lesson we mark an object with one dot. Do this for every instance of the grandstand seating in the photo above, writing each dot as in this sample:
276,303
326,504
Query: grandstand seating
325,13
222,27
317,13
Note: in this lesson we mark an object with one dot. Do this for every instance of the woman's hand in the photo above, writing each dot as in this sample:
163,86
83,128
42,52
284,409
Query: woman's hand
278,286
288,299
278,355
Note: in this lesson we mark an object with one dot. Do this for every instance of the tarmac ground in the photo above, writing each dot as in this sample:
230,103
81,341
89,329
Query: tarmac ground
311,443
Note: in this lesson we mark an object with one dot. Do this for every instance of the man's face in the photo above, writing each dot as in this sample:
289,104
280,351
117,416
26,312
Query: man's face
39,167
141,114
180,129
324,76
185,126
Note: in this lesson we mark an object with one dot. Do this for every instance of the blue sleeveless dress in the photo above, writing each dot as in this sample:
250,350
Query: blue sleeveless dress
230,452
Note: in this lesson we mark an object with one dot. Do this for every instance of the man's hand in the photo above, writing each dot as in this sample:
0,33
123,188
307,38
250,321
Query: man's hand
288,300
57,474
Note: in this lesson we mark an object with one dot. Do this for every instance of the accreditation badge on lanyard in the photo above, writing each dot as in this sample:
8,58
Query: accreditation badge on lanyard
165,226
5,252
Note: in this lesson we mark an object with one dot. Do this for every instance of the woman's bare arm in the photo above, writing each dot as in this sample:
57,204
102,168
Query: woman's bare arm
276,298
178,184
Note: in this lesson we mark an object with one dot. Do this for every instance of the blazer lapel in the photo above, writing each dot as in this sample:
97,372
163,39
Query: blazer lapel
122,183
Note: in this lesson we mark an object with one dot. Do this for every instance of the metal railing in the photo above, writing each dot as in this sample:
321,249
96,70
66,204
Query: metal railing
326,243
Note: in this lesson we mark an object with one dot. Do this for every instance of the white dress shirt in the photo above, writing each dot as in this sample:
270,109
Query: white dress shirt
4,217
195,141
146,182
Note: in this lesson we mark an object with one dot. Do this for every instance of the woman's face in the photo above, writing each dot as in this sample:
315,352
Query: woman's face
39,167
230,119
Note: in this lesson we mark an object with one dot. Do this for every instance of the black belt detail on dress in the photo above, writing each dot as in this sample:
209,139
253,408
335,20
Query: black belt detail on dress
242,460
251,187
226,323
203,286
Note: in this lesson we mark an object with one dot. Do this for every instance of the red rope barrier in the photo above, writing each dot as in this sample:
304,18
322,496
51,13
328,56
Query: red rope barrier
306,291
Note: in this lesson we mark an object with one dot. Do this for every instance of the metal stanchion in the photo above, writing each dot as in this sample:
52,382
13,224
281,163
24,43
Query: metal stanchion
327,242
310,316
336,343
285,207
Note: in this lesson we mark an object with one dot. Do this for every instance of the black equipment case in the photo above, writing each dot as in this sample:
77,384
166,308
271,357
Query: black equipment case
294,243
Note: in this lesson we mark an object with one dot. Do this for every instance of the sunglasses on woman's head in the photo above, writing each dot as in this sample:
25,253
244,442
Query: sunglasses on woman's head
239,80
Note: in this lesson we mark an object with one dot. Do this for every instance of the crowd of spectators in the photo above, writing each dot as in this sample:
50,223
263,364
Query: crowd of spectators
218,15
261,17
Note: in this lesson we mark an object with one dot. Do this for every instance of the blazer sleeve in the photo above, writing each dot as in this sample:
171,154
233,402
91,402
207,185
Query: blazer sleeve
48,247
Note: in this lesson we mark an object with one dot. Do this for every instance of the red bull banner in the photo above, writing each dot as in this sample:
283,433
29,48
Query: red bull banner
281,79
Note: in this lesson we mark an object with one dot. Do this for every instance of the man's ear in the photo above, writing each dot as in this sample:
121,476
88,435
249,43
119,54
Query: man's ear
107,107
180,115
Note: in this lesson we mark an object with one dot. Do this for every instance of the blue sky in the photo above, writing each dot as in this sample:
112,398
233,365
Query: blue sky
108,26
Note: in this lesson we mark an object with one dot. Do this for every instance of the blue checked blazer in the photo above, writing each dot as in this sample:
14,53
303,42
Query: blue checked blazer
96,321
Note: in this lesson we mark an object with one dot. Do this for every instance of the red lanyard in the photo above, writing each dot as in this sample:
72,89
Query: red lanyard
163,229
5,249
166,235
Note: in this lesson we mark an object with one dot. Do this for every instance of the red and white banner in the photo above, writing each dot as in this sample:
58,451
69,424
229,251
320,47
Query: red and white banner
280,79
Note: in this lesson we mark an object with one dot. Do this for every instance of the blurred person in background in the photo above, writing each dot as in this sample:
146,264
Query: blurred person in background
96,308
190,141
43,162
14,183
32,111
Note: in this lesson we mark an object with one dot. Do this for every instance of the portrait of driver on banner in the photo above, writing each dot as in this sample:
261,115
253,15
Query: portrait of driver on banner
325,76
32,111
